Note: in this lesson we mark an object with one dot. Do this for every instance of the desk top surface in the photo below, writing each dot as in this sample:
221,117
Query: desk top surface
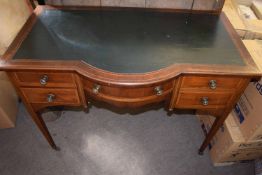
130,41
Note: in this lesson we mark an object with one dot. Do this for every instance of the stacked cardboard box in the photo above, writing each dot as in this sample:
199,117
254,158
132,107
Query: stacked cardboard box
257,8
244,16
229,144
230,10
251,19
248,111
248,108
254,47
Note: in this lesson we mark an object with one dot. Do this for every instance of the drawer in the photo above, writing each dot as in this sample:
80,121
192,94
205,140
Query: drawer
45,79
199,100
128,92
210,82
126,96
51,95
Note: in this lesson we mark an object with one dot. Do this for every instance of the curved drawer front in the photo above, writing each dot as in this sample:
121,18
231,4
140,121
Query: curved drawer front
210,82
45,79
51,95
199,100
129,95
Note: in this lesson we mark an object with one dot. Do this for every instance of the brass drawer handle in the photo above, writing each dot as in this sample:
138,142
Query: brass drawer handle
96,88
50,98
213,84
159,90
44,80
204,101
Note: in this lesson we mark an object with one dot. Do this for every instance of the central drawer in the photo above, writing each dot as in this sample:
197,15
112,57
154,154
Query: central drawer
51,95
129,96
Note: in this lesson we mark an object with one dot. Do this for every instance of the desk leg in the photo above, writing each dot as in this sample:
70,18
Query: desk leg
37,118
215,127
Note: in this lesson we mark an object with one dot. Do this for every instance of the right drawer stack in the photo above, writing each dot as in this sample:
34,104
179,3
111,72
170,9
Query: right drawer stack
200,92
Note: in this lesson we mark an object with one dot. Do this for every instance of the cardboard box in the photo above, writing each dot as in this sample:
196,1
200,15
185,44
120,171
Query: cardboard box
244,2
231,146
252,23
8,105
254,47
247,12
246,28
234,18
248,108
257,8
242,155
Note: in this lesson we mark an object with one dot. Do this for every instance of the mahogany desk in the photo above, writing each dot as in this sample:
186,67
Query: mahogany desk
128,58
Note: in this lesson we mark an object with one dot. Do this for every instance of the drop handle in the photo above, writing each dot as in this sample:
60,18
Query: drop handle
50,98
44,80
204,101
213,84
96,88
159,90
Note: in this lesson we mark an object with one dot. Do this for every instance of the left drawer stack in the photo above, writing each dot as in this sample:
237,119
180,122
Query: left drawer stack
49,88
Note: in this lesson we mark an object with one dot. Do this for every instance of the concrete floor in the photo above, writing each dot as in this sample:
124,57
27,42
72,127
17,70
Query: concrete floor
103,142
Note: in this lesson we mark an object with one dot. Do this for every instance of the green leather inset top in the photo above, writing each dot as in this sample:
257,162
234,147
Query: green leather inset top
129,41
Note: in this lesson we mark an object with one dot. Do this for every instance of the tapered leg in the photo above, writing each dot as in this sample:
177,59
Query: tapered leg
41,125
215,127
